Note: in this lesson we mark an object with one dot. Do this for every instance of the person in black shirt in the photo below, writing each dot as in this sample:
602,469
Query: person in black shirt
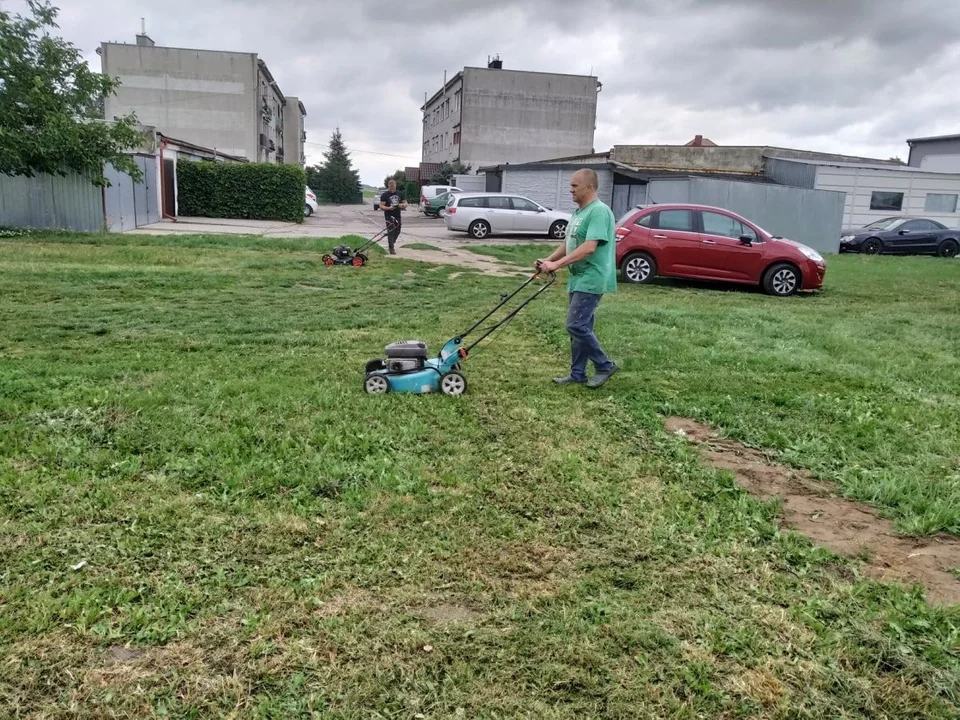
392,202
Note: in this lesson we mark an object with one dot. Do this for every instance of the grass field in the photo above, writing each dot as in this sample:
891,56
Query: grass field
203,515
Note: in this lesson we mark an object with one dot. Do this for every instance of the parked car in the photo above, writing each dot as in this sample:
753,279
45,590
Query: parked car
483,214
429,192
707,243
376,198
310,204
902,236
437,206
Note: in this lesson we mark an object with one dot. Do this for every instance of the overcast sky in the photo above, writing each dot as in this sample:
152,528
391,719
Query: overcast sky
848,76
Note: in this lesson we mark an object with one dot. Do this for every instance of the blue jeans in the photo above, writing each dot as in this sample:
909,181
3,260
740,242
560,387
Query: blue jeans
584,345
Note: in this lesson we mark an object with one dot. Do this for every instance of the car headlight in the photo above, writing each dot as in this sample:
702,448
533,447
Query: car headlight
812,254
847,238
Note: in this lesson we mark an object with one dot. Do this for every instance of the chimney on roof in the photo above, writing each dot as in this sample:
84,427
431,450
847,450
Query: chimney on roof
143,40
698,141
496,63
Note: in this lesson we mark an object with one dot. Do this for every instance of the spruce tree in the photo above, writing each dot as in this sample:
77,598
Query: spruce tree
339,182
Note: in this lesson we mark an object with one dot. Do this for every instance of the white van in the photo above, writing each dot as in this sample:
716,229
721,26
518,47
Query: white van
429,192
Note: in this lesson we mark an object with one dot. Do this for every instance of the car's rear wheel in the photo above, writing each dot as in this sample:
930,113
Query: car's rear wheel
307,210
948,248
479,229
558,230
638,267
872,247
782,279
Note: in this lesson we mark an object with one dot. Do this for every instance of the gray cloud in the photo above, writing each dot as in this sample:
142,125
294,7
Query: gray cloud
854,76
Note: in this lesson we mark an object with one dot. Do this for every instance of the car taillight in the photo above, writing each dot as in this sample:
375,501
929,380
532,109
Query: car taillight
423,198
452,210
622,233
311,196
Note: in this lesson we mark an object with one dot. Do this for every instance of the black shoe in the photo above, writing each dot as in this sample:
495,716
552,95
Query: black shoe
392,251
568,379
600,378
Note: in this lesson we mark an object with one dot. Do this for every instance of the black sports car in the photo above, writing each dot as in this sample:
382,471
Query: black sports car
902,236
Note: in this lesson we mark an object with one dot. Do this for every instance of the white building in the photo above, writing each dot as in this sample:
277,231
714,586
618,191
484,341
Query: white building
939,154
228,101
486,116
875,191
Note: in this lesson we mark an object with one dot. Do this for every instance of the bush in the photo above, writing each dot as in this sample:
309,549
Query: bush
411,191
247,191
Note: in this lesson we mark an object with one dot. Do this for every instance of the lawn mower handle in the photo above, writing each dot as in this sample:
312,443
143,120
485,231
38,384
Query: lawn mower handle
391,224
552,277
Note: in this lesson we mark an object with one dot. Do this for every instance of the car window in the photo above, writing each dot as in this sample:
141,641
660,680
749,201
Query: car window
915,225
524,204
645,221
471,202
884,224
722,225
725,226
497,203
676,220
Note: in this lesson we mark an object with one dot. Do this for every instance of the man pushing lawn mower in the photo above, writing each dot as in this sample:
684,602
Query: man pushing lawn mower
392,202
590,253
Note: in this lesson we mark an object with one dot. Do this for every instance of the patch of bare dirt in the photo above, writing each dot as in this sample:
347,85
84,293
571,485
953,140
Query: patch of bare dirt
446,614
121,654
843,526
462,258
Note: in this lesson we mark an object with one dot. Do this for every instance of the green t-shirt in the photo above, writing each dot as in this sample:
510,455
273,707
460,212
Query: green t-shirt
597,273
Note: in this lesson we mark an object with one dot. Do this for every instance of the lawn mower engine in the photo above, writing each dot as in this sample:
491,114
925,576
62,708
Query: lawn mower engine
405,356
345,255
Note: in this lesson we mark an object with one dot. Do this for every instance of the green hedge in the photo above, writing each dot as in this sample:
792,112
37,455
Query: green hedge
248,191
411,191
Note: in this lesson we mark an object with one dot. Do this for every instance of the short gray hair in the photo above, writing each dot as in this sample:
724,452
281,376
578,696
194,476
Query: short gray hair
590,177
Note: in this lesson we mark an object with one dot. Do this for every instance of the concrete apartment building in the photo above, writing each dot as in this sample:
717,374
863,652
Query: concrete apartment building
486,116
228,101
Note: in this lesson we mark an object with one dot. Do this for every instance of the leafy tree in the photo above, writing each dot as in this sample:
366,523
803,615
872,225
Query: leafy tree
339,182
400,176
444,176
51,117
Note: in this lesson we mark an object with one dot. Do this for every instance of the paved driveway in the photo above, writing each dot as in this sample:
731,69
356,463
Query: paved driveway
336,221
416,227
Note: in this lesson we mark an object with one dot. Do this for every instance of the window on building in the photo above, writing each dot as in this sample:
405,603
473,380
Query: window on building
456,137
676,220
457,97
941,203
885,200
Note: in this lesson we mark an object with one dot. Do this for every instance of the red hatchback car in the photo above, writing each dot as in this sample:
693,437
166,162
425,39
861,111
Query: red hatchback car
707,243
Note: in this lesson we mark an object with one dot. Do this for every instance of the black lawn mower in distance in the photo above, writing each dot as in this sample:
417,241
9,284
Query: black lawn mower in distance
345,255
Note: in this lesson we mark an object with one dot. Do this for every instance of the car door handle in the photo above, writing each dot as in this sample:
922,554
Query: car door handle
710,242
660,237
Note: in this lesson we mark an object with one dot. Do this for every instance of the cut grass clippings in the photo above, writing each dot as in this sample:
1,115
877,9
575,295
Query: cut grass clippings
203,515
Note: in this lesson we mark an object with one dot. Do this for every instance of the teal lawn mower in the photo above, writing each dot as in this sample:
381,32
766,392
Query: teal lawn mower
408,367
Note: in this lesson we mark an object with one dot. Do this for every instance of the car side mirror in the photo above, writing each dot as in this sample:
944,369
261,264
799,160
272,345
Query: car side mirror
540,209
746,240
